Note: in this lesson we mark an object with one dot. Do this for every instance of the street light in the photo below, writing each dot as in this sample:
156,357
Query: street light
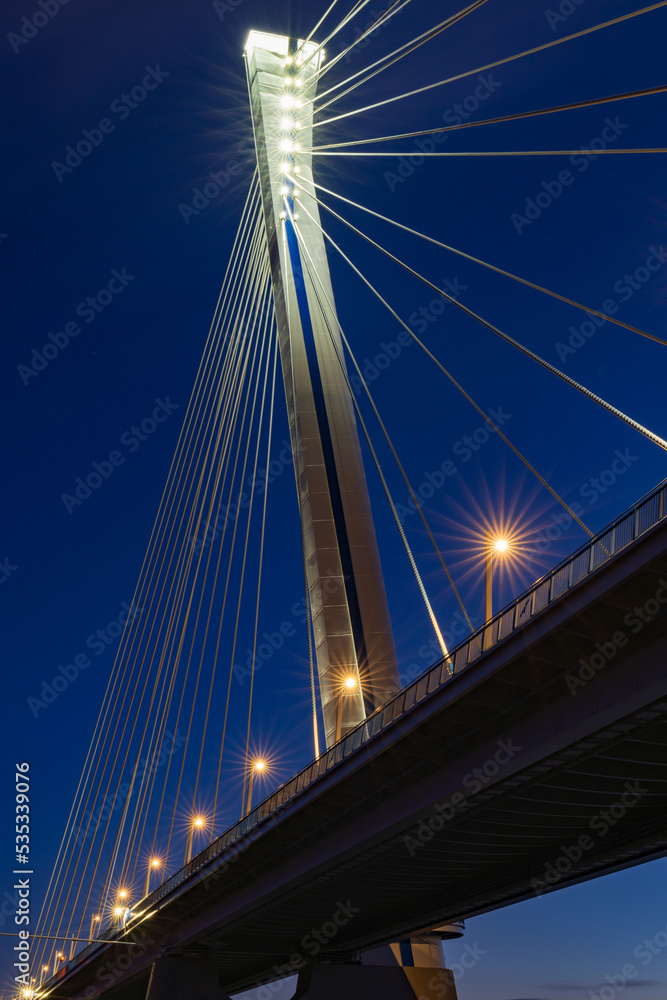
196,823
497,546
93,920
256,767
349,685
155,864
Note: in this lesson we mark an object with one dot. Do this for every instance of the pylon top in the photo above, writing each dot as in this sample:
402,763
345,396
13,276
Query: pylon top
279,44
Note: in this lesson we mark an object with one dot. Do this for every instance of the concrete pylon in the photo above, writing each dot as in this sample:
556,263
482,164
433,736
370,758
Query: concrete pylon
184,978
361,982
356,659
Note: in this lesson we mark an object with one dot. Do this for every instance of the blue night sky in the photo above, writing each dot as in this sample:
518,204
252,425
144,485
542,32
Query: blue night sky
121,222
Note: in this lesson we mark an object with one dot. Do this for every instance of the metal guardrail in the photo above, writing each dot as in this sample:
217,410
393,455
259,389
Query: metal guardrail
590,557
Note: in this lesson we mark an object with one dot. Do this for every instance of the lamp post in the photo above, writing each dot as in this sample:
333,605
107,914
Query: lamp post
497,546
349,685
256,767
196,823
154,864
93,920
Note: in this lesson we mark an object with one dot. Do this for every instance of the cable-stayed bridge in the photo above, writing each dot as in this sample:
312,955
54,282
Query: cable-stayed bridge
527,758
536,763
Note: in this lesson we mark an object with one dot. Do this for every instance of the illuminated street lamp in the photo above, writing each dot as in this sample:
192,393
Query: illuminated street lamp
256,767
196,823
495,546
93,920
155,864
349,685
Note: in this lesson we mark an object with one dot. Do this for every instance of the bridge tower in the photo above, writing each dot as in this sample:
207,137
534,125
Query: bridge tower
356,660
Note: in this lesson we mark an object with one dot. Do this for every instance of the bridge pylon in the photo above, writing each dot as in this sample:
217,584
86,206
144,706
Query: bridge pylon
356,659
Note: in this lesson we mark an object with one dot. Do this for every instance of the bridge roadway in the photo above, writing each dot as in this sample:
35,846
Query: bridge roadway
527,771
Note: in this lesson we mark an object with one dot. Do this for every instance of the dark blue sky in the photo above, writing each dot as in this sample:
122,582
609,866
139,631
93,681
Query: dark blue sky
119,221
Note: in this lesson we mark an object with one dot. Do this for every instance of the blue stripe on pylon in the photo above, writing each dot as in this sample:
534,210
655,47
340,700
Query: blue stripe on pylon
327,444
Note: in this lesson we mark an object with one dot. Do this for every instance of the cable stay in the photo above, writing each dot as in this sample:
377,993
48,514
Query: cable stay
654,438
81,806
490,267
65,845
359,5
495,152
591,102
497,62
397,6
479,409
393,57
126,698
316,26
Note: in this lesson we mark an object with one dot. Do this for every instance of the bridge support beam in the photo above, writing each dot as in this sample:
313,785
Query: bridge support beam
183,978
359,982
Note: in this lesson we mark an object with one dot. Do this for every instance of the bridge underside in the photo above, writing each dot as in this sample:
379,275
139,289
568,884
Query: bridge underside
510,781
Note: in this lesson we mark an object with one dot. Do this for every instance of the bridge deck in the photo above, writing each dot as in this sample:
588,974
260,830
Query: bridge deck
525,770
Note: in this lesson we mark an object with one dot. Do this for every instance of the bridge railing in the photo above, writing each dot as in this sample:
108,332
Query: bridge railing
572,571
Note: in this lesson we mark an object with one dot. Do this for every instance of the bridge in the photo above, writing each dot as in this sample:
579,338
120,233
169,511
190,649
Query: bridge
530,760
527,758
